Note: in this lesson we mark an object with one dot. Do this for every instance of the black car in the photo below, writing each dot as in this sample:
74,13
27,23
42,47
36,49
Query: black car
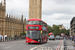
51,37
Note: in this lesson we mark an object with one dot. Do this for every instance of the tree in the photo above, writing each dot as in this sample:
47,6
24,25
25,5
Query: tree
65,31
23,34
50,29
56,30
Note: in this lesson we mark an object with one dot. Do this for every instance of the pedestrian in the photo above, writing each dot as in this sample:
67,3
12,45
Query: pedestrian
22,36
15,37
74,40
5,37
72,37
1,38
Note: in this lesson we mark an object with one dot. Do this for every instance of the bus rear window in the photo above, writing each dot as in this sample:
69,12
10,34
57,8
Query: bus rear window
33,27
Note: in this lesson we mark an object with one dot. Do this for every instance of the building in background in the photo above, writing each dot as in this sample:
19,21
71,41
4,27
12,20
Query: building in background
60,26
35,9
72,26
10,25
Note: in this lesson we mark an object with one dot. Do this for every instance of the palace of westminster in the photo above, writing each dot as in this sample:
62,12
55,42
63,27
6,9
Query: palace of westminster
10,25
15,26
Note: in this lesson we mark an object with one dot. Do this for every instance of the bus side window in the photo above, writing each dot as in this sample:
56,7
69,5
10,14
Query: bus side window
40,22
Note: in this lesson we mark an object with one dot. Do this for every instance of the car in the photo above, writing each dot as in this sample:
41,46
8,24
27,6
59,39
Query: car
61,38
51,37
58,37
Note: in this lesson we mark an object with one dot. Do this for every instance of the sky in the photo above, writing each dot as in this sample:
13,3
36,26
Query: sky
53,11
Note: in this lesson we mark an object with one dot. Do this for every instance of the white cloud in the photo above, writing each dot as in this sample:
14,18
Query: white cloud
57,19
53,11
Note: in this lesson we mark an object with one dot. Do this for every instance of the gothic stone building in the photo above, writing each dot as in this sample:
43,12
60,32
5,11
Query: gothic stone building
10,25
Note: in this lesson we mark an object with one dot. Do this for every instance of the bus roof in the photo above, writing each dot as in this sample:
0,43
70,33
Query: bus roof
34,19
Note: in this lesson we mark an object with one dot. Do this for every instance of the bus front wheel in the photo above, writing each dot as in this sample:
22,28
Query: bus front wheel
28,43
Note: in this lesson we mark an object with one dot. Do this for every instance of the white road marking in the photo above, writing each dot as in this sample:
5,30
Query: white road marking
33,48
62,46
51,49
8,47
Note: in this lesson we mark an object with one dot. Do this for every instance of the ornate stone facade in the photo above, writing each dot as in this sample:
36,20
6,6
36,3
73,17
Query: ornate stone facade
35,8
10,25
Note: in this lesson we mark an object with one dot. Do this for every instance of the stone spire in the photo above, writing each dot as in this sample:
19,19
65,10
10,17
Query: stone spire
22,18
7,15
5,3
25,20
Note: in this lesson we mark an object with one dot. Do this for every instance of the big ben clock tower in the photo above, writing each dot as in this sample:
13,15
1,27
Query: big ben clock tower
35,9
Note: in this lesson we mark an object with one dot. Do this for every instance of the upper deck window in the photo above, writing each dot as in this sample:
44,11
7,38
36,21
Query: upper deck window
33,22
36,23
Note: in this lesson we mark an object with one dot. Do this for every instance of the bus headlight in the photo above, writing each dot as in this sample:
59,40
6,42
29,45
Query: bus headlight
38,40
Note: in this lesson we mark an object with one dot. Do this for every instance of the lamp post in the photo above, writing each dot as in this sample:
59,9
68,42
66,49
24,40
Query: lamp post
12,31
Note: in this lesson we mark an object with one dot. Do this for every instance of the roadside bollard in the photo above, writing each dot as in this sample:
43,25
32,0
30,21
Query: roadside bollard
8,38
12,38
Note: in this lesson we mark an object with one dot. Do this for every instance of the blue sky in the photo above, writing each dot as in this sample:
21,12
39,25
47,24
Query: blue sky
53,11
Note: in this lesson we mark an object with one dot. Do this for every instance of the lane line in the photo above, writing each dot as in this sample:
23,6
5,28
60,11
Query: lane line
58,45
8,47
62,46
33,48
44,45
51,49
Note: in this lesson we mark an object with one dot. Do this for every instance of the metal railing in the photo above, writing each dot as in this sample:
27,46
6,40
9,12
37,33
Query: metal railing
11,39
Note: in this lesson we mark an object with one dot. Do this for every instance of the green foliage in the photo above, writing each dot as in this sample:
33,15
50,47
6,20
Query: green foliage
63,30
23,34
50,29
57,31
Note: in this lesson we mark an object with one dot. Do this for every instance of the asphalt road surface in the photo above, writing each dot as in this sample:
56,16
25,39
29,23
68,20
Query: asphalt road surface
21,45
70,45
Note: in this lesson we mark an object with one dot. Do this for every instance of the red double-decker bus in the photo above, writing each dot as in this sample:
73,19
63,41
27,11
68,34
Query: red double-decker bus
36,31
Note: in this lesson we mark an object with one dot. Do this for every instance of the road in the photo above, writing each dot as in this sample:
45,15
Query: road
70,45
21,45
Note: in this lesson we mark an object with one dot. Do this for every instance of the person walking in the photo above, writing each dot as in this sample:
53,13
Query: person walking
72,37
15,37
74,40
5,37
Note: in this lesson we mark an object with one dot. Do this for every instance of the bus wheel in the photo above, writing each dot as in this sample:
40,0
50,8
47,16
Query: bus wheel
28,43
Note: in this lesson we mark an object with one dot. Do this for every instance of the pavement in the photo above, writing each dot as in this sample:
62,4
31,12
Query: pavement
70,45
21,45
